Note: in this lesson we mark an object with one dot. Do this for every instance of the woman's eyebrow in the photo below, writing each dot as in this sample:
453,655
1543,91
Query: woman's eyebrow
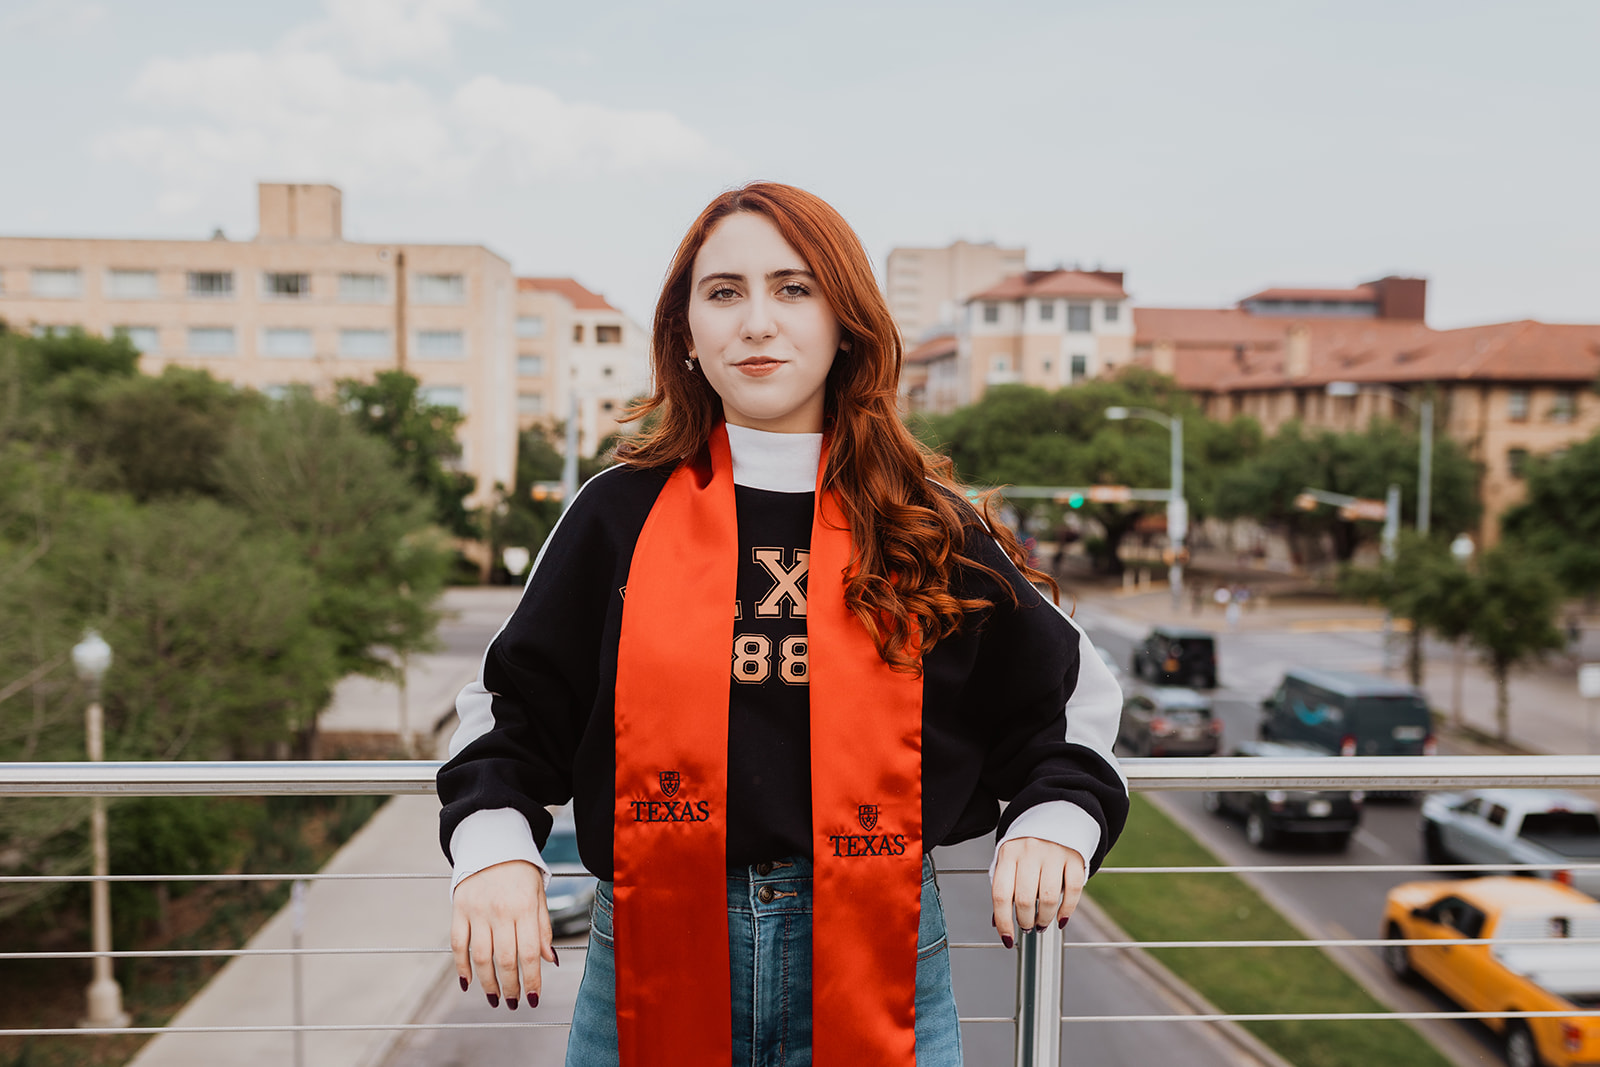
733,276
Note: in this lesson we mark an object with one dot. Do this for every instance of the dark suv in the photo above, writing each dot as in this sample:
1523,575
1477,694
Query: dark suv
1271,815
1175,655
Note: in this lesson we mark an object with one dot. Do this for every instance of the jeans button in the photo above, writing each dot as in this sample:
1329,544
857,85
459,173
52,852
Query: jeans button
763,868
765,894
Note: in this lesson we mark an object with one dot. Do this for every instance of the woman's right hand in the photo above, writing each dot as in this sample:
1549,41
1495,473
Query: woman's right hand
500,929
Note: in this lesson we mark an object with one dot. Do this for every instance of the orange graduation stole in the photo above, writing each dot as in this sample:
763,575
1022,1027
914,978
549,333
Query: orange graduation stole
673,674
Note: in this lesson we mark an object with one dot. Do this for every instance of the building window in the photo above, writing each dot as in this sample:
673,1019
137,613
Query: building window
991,312
57,282
211,284
1565,408
1047,310
285,341
132,284
441,344
607,405
42,331
143,338
211,340
1002,364
577,333
1078,317
363,288
1517,461
530,366
364,344
444,396
439,289
1080,367
1113,312
605,372
608,335
276,392
1517,405
530,403
277,285
530,325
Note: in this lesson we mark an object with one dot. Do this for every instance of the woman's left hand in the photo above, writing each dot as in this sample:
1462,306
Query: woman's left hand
1040,880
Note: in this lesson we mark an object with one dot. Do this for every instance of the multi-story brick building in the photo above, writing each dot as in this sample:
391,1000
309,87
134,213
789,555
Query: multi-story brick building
1504,392
299,304
576,354
928,286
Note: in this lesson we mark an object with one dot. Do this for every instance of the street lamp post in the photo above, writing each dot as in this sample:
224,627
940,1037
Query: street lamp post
1424,412
92,658
1177,505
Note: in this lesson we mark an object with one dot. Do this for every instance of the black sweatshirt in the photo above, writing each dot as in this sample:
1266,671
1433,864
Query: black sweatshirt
1011,710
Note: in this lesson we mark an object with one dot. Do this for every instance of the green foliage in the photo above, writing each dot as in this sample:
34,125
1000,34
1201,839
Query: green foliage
1259,980
309,472
1515,621
1020,435
1559,522
422,438
515,518
1357,464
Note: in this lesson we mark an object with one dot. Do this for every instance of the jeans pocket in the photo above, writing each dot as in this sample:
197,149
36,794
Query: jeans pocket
931,934
600,914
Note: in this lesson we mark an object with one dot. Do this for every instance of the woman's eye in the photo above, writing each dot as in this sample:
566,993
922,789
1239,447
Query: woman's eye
721,293
794,289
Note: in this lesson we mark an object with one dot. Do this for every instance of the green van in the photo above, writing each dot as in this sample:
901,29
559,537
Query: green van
1349,714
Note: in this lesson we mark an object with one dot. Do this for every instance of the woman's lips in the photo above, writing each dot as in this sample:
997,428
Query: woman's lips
758,368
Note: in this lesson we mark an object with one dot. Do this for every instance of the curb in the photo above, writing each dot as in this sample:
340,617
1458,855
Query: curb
1237,1036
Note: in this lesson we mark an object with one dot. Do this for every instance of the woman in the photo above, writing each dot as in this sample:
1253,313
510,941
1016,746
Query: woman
761,832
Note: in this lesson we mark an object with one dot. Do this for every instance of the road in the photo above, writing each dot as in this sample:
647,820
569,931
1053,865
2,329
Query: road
1323,905
1101,982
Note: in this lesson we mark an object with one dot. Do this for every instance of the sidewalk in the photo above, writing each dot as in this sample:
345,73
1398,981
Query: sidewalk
403,837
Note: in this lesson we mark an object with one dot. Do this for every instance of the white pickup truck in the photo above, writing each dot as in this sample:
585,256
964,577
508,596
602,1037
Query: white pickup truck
1493,827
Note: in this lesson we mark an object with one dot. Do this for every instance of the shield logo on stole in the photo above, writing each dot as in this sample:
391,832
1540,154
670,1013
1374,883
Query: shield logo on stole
868,815
669,782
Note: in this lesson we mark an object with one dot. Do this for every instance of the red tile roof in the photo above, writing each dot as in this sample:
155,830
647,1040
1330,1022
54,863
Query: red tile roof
1069,283
1230,350
1362,293
576,294
933,348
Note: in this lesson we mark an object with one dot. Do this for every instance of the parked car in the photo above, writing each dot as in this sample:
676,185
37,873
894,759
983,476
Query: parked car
1176,655
1168,721
1348,713
571,891
1552,974
1272,815
1497,826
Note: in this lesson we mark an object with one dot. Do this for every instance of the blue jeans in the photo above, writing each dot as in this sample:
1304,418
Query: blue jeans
769,945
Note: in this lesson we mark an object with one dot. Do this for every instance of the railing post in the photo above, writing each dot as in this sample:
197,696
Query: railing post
1039,998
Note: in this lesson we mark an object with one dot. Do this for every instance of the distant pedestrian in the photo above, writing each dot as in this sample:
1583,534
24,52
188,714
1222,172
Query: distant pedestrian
893,676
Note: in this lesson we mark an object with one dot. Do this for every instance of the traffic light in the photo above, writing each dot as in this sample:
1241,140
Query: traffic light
1075,500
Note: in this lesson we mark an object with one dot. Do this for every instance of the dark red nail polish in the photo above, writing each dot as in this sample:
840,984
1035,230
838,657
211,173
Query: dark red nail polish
1062,925
1006,941
991,921
555,956
464,984
494,999
533,1001
511,1002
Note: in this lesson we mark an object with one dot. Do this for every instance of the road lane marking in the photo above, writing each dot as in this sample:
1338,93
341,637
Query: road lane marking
1373,843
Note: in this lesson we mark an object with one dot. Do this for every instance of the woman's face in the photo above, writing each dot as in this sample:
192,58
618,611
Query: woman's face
764,335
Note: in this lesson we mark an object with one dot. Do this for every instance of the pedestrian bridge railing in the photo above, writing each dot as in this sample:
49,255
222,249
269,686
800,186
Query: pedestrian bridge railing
1037,1018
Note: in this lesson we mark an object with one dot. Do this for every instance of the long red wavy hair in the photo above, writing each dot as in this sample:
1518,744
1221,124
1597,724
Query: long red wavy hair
906,533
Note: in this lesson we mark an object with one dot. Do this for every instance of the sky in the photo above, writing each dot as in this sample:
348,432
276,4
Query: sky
1207,149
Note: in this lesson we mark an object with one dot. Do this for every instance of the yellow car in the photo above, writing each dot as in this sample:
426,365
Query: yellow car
1551,974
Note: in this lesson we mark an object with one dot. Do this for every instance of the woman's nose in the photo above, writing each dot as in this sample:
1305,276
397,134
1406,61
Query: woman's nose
759,323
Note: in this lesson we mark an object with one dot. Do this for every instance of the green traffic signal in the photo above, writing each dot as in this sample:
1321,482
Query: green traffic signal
1075,500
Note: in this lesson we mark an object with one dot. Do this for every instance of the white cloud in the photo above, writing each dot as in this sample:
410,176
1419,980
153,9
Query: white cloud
49,18
226,120
375,32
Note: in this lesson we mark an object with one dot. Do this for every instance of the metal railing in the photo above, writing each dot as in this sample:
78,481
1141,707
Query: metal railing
1038,1018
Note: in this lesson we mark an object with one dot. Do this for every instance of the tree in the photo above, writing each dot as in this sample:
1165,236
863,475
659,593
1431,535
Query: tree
422,437
308,470
515,517
1559,522
1363,464
1424,585
1515,621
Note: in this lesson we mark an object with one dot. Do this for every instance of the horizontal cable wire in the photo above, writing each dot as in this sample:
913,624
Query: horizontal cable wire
1330,1016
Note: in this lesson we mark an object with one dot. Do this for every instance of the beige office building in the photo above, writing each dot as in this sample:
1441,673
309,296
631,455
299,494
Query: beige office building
928,286
297,304
576,354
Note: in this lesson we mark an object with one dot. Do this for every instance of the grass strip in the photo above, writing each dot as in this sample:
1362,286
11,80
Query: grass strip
1183,907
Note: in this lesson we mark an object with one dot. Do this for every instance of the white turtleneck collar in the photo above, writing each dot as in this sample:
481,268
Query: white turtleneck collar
778,462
